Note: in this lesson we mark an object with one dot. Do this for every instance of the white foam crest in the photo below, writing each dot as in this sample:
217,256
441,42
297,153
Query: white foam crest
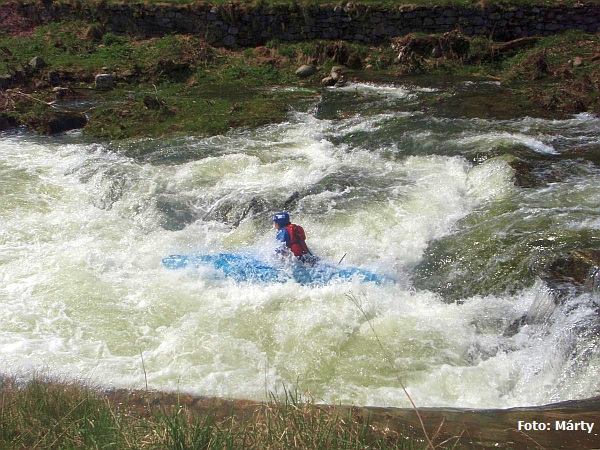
428,199
384,90
496,138
491,180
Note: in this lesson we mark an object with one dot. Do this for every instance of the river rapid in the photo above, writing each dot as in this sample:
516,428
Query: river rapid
414,182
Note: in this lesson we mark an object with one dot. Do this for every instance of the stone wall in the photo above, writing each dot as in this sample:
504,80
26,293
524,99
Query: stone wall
238,25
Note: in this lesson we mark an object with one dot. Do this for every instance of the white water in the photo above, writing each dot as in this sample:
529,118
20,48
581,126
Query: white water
83,293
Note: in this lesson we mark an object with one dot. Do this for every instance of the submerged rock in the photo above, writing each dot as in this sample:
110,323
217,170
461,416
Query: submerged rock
580,268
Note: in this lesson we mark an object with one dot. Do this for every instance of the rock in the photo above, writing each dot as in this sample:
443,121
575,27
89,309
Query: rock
580,268
577,61
490,426
5,81
54,78
128,75
334,77
37,63
436,52
306,71
104,81
229,40
60,92
328,81
336,73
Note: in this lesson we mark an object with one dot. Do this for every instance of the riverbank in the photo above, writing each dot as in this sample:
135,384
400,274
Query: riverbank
43,414
77,74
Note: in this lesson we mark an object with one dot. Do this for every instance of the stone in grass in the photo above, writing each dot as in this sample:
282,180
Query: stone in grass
37,63
5,81
54,78
306,71
104,81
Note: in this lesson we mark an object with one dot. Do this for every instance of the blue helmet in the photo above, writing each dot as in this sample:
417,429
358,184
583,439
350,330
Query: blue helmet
282,219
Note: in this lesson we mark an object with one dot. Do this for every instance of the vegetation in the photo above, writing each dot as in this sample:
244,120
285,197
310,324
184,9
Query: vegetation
168,85
180,84
385,3
42,414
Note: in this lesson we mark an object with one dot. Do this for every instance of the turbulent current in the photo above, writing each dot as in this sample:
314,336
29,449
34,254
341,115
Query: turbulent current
461,203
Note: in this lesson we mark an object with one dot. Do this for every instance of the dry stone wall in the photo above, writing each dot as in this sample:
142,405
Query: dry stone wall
238,25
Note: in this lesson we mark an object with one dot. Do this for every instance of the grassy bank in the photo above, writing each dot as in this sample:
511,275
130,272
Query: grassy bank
42,414
180,84
177,84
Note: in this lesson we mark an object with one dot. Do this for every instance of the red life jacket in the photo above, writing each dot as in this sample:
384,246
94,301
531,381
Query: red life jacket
297,237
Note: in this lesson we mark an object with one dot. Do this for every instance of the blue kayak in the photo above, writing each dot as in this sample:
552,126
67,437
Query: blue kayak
246,268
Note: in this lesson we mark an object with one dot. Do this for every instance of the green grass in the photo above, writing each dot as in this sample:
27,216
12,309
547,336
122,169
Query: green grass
202,90
46,414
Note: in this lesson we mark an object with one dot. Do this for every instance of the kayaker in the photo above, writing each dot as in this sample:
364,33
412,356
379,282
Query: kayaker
293,237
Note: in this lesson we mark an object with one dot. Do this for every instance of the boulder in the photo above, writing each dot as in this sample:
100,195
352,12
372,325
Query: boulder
306,71
328,81
37,63
104,81
580,268
229,40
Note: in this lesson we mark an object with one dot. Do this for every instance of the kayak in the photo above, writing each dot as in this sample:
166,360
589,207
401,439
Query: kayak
246,268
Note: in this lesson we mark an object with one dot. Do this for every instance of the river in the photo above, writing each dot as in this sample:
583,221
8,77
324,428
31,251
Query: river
415,182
